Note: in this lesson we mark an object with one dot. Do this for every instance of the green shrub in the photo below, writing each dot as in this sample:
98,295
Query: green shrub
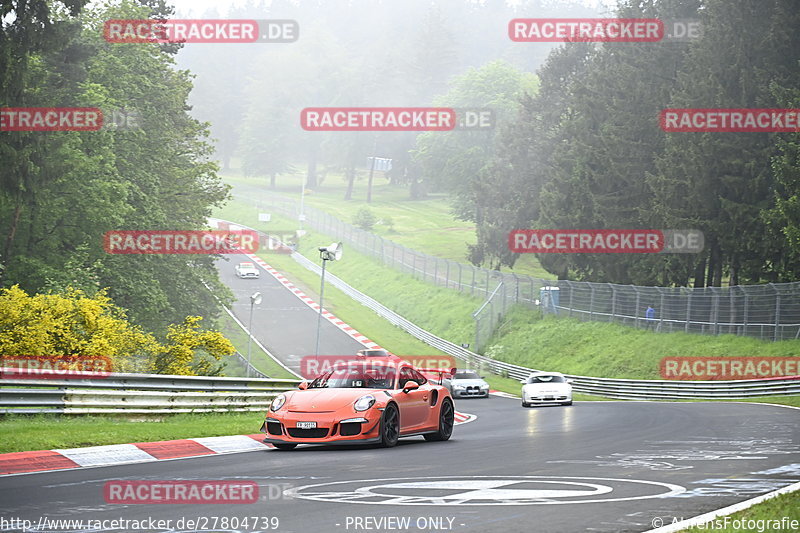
364,219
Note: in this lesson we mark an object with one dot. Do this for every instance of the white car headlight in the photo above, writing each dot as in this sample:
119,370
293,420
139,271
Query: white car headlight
364,403
278,402
459,387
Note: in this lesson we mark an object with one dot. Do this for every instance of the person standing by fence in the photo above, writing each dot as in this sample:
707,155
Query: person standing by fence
650,316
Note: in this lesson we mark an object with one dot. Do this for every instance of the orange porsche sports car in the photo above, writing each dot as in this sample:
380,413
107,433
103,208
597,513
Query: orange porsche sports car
371,400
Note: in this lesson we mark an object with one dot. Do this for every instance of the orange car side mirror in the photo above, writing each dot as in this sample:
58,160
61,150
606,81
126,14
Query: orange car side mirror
303,385
410,385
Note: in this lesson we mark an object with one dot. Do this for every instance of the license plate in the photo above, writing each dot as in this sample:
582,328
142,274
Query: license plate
306,425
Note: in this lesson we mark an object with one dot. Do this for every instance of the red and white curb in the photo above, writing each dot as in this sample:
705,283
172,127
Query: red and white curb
330,317
463,418
142,452
504,394
118,454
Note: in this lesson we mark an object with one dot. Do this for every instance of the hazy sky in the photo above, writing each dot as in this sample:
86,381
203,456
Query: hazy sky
196,7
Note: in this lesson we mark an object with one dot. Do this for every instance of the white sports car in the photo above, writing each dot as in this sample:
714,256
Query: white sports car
546,387
247,270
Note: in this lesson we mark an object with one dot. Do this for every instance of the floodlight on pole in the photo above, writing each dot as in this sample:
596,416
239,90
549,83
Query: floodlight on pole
332,252
255,299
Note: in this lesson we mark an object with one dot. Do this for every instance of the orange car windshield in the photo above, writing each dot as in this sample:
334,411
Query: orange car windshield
356,376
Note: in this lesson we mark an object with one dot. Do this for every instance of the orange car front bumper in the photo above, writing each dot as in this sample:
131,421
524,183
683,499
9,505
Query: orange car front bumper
330,428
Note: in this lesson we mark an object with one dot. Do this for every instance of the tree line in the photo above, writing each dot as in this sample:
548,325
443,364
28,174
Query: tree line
587,151
60,191
578,145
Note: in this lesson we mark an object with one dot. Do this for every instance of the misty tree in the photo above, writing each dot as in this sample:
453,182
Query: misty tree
78,185
451,160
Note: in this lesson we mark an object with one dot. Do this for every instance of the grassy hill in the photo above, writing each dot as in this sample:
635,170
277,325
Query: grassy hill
525,337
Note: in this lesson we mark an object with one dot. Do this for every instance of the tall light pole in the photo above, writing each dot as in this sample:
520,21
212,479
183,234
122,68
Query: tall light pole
332,252
255,299
302,217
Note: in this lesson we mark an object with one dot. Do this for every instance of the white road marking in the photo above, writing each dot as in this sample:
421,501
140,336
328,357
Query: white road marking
235,443
480,490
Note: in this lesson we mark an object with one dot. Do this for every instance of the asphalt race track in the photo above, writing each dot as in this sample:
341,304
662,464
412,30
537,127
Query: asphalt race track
592,466
283,323
512,469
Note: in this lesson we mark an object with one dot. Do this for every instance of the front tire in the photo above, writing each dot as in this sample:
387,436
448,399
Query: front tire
525,404
567,403
390,426
447,417
285,447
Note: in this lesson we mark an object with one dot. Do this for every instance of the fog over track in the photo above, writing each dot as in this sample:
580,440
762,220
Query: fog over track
592,466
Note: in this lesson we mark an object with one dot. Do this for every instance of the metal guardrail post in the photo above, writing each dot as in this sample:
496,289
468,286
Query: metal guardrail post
688,311
615,388
777,312
714,311
746,310
472,286
613,301
759,324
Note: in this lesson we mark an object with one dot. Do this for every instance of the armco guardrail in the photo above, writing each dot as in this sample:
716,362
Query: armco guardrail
138,394
769,311
611,388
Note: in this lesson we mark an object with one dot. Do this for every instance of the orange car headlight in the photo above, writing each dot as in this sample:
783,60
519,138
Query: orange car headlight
278,402
364,403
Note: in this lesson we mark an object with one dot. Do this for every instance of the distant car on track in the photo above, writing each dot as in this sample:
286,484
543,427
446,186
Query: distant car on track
546,387
467,384
374,400
247,270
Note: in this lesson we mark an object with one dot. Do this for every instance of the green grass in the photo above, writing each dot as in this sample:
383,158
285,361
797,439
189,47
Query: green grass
793,400
426,225
525,338
48,432
258,358
785,505
612,350
444,310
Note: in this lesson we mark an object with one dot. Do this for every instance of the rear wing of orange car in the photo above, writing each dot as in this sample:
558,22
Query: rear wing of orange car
437,375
